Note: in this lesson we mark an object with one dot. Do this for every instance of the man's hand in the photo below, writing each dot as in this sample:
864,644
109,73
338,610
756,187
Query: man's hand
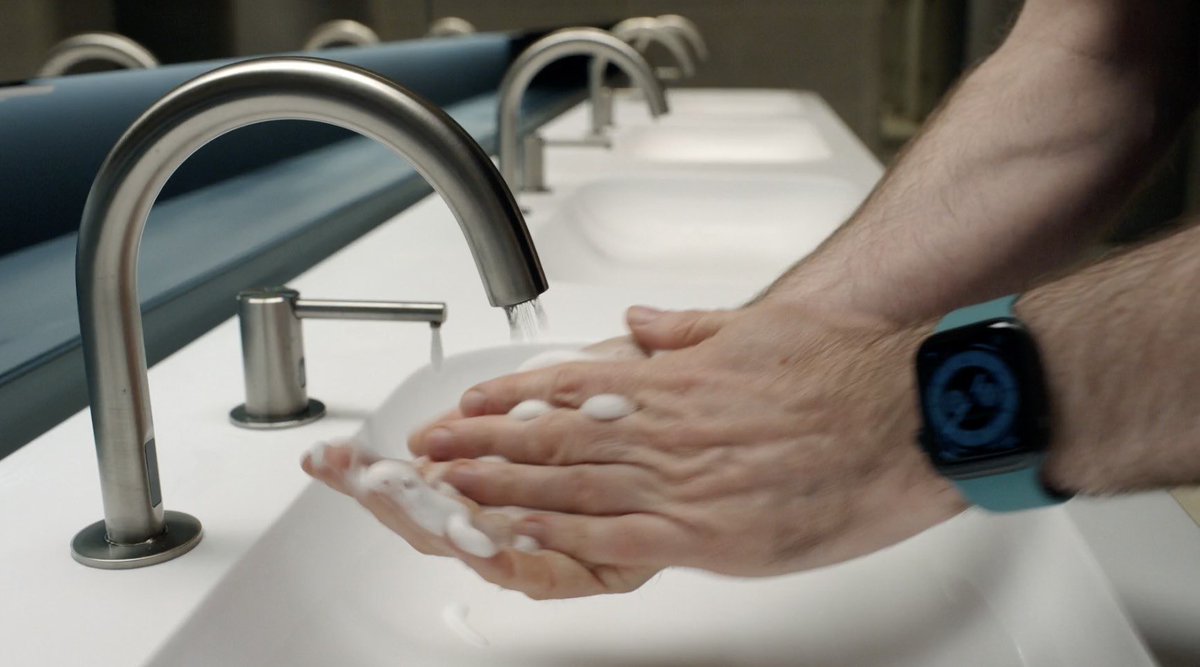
542,574
782,439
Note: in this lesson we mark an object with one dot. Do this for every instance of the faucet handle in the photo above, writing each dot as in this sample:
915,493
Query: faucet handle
273,349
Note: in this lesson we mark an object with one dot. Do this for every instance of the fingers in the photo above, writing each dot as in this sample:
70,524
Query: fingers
580,489
565,385
338,465
332,463
629,540
622,347
654,329
562,437
547,575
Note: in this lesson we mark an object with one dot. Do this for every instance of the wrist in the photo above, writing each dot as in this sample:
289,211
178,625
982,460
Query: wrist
910,491
1076,462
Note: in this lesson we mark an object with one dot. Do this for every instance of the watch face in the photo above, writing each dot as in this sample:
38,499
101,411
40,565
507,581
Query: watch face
982,396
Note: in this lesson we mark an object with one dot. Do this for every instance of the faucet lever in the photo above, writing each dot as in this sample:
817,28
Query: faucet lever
273,349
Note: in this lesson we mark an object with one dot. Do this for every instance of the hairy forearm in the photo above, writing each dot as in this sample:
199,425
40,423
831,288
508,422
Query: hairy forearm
1019,170
1121,354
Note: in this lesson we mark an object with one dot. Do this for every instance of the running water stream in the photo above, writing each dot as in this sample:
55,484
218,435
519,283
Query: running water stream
525,320
436,352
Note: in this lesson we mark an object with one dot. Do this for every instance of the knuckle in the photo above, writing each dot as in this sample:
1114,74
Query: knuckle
585,494
544,444
567,384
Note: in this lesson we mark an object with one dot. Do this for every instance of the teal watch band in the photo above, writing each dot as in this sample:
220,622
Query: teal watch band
1009,491
980,312
1015,489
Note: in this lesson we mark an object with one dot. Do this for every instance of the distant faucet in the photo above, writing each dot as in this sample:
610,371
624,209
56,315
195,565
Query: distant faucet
136,531
341,32
642,30
450,26
639,32
107,46
560,44
689,30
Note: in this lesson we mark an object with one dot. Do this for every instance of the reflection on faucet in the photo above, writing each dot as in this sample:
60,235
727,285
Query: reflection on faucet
107,46
560,44
136,531
341,32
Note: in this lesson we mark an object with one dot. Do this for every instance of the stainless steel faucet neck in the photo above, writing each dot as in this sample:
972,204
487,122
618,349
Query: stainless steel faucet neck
561,44
106,46
689,30
340,32
639,32
142,161
643,30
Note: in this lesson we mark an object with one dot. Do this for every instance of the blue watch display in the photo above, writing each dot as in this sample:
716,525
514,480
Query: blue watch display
984,406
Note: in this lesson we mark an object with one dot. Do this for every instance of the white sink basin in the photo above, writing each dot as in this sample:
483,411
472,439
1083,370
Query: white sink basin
749,103
687,231
724,143
327,585
718,103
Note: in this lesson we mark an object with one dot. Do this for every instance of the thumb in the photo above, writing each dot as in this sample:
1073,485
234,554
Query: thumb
672,330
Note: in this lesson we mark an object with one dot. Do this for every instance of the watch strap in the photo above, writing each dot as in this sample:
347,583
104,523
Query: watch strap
1020,489
981,312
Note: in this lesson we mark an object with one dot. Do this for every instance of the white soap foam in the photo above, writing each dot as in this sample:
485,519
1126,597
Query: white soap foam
454,615
404,485
608,407
530,409
468,538
316,455
492,458
525,544
554,358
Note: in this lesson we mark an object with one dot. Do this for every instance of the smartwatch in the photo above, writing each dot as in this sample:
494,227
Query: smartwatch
984,408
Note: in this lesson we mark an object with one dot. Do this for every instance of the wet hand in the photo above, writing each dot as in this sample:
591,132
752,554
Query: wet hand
773,439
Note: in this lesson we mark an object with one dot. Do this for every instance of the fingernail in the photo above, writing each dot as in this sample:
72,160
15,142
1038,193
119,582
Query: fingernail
439,443
473,403
641,315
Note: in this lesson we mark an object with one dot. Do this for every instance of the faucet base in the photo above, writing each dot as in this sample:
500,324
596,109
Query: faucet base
311,413
92,548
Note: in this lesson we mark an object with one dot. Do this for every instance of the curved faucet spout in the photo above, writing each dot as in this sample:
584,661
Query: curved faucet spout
593,42
641,30
690,31
340,32
107,46
159,141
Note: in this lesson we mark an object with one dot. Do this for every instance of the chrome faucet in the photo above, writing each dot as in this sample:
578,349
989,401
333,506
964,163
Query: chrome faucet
107,46
642,30
560,44
340,32
450,26
638,31
136,531
690,32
